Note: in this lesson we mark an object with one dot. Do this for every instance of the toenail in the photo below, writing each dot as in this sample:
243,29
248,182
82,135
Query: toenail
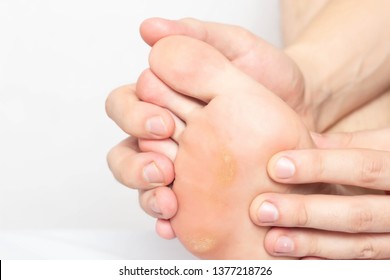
267,213
284,244
284,168
154,206
152,174
155,125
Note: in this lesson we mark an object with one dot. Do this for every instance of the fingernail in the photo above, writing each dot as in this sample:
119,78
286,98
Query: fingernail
152,174
155,125
154,206
284,244
267,213
284,168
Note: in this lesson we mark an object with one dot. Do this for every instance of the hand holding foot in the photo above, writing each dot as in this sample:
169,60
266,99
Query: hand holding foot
233,126
245,50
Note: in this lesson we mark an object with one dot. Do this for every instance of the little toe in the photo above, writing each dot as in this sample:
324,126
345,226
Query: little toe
151,89
164,229
159,202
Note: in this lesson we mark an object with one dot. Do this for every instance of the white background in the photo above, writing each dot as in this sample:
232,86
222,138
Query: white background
58,62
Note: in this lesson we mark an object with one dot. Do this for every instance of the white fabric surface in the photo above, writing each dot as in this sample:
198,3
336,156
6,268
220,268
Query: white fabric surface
88,244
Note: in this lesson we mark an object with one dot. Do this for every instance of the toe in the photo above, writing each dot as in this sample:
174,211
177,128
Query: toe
166,147
164,229
195,68
159,202
151,89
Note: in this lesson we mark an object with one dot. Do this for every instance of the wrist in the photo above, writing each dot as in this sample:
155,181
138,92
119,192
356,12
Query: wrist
314,96
344,58
331,88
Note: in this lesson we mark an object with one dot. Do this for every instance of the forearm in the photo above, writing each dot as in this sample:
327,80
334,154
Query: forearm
344,57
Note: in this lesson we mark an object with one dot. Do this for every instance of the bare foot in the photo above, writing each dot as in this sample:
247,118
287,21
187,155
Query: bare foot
233,126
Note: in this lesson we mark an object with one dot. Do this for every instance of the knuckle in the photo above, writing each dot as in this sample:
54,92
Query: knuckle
316,161
146,87
371,169
247,40
367,249
109,158
307,244
244,35
348,139
302,215
314,249
122,167
115,97
110,101
125,175
360,219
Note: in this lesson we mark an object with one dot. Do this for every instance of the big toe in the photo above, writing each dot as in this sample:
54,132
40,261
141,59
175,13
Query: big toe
195,68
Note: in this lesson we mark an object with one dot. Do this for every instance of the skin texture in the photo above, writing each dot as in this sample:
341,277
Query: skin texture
352,122
296,17
212,219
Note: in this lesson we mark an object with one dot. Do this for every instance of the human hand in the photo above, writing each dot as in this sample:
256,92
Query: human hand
329,226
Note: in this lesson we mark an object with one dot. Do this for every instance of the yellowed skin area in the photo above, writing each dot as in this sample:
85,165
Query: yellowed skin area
218,174
227,170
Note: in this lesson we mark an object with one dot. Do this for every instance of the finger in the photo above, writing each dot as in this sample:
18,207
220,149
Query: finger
352,214
139,170
152,89
164,229
326,244
137,118
159,202
369,139
166,147
357,167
